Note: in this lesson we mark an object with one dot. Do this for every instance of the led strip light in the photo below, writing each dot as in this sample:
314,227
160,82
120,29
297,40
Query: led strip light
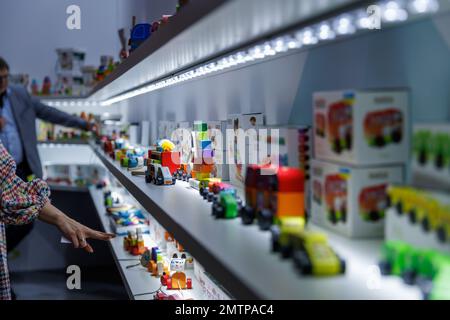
390,12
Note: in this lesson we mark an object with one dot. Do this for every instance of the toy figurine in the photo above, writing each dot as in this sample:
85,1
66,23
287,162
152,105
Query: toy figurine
46,87
34,87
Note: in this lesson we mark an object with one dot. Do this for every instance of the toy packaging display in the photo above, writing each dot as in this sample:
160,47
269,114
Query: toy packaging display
431,154
429,269
273,194
362,127
352,200
237,169
419,217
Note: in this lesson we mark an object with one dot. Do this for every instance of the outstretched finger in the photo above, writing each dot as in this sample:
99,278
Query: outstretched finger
100,235
88,248
74,239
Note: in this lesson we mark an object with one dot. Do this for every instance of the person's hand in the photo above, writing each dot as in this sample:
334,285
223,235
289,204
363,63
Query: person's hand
71,229
78,233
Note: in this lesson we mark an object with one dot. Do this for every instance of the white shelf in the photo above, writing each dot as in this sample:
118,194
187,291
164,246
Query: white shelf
206,29
239,256
137,279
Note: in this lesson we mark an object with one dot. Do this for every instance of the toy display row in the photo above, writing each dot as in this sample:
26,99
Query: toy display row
273,197
422,208
276,201
124,217
428,269
169,269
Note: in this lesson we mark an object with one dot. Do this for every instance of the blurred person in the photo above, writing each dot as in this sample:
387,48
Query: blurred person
18,113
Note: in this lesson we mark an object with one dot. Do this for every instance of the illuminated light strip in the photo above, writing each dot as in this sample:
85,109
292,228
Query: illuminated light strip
391,11
70,103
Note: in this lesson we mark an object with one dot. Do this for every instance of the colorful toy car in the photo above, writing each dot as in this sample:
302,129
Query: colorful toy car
340,126
440,144
215,187
183,173
226,206
412,264
383,127
336,198
312,254
273,193
283,233
169,159
204,183
163,176
373,202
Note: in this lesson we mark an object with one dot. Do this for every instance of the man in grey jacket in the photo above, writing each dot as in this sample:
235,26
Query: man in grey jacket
18,113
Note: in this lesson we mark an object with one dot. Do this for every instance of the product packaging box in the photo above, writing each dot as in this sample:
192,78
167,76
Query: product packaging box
235,122
430,161
362,127
352,200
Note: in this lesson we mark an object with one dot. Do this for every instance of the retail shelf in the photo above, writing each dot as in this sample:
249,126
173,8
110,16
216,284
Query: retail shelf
206,29
137,280
57,187
239,256
64,142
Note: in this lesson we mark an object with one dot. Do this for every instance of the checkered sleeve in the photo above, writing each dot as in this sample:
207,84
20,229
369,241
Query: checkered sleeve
20,202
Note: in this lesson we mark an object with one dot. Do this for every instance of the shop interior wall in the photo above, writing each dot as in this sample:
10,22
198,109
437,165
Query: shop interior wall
30,31
413,56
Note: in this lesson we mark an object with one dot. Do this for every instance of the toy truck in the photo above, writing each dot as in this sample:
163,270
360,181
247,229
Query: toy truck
340,126
163,176
421,146
204,183
271,197
169,159
336,198
382,127
373,202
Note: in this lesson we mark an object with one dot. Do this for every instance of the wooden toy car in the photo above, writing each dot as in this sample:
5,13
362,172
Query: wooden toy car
373,201
282,233
170,159
336,198
163,176
340,126
215,187
383,127
204,183
313,256
401,259
226,207
276,194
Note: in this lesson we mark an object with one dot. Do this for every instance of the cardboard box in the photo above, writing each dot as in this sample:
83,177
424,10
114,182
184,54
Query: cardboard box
237,169
351,200
362,127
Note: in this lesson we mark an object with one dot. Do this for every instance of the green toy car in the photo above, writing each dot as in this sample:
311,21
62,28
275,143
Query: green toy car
226,206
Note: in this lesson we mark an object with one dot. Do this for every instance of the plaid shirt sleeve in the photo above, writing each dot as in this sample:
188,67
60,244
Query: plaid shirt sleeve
20,203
